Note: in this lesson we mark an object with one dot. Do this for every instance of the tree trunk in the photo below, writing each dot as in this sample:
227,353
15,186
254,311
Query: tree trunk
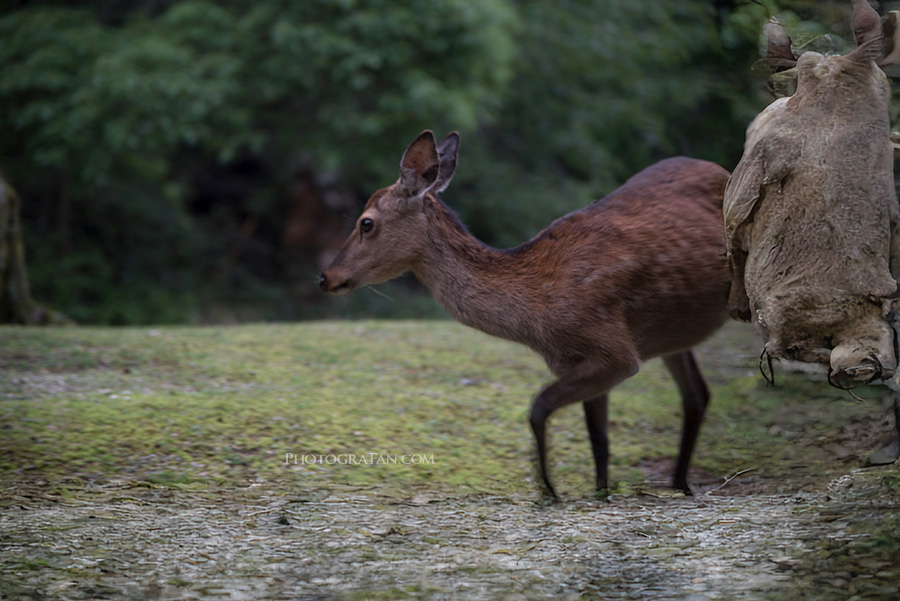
16,304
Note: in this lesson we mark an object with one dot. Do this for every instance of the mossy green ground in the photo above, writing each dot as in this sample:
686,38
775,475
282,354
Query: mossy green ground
231,405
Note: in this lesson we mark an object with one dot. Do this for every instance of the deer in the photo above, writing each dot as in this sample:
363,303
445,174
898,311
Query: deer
641,273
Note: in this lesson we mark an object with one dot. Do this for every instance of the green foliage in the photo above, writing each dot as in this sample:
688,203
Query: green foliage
112,119
599,83
601,90
122,101
129,96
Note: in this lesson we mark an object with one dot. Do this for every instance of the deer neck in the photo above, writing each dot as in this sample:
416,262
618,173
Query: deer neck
478,285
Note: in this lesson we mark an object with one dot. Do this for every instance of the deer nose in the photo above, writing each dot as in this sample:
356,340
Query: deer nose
323,282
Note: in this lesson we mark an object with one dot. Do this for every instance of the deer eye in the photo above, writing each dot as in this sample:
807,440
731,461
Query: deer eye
366,225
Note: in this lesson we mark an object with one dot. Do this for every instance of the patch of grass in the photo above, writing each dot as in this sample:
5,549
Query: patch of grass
169,478
891,482
26,564
230,405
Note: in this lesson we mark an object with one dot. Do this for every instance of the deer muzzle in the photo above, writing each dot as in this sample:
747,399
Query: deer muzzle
334,285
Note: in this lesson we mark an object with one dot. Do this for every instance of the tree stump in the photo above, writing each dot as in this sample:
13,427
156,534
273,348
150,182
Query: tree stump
16,304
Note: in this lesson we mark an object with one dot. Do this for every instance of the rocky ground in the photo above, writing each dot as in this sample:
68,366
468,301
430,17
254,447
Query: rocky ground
128,541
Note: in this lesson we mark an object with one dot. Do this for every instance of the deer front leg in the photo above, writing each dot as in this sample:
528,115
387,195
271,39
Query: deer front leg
596,416
587,381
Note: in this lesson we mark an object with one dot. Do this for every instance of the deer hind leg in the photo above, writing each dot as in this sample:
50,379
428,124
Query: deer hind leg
890,446
694,399
596,416
895,443
585,381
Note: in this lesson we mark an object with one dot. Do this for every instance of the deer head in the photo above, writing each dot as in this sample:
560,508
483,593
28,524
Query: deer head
393,231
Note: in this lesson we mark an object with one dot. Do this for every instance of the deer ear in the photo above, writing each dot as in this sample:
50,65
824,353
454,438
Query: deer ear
872,50
865,22
448,151
420,165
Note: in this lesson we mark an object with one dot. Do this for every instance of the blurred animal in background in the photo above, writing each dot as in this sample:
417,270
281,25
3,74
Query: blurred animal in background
811,217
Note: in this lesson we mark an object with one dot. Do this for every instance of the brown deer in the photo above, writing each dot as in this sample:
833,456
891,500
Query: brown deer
639,274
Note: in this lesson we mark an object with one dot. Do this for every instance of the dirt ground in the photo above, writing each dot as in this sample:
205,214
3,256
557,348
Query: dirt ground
127,541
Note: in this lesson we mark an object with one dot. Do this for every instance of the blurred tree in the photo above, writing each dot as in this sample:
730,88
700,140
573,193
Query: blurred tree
601,90
111,113
176,154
